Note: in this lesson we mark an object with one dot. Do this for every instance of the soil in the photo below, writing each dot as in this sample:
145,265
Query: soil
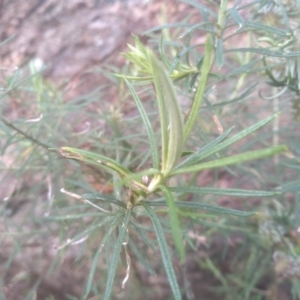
73,36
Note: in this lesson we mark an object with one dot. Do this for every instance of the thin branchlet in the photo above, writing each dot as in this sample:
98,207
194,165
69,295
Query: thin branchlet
26,135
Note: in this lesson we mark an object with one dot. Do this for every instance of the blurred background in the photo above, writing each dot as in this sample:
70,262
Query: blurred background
56,60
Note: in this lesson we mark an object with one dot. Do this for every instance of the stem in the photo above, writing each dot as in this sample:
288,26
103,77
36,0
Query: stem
222,16
275,138
193,113
27,136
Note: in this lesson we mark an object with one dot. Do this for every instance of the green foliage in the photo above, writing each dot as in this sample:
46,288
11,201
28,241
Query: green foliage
150,181
172,146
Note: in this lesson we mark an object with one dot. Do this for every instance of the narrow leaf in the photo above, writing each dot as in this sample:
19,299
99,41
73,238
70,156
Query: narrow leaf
246,68
196,205
204,26
91,158
115,256
201,7
163,53
296,167
89,230
100,161
234,159
6,40
293,186
162,112
164,26
208,151
141,233
140,258
200,90
136,78
170,116
229,192
242,96
97,256
194,158
164,251
72,217
264,51
147,124
236,17
219,53
266,28
105,198
174,222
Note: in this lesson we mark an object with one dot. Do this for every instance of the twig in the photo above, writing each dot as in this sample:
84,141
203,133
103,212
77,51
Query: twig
27,136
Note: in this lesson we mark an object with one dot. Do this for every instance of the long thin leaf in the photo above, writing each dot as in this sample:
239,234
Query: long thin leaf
293,186
164,251
234,159
162,52
72,217
100,161
105,198
193,158
264,51
93,159
266,28
174,222
201,7
147,124
200,90
237,17
97,256
170,116
196,205
141,258
162,114
296,167
97,225
164,26
7,40
141,233
242,96
219,53
204,26
246,68
115,256
229,192
208,151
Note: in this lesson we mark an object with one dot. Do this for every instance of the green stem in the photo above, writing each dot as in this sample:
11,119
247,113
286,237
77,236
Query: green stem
222,16
27,136
207,64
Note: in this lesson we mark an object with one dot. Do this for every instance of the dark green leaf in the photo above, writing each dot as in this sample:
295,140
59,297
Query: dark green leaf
97,255
200,90
236,17
102,197
210,208
194,158
164,251
229,192
140,257
266,28
219,53
264,51
115,255
174,222
231,160
147,124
